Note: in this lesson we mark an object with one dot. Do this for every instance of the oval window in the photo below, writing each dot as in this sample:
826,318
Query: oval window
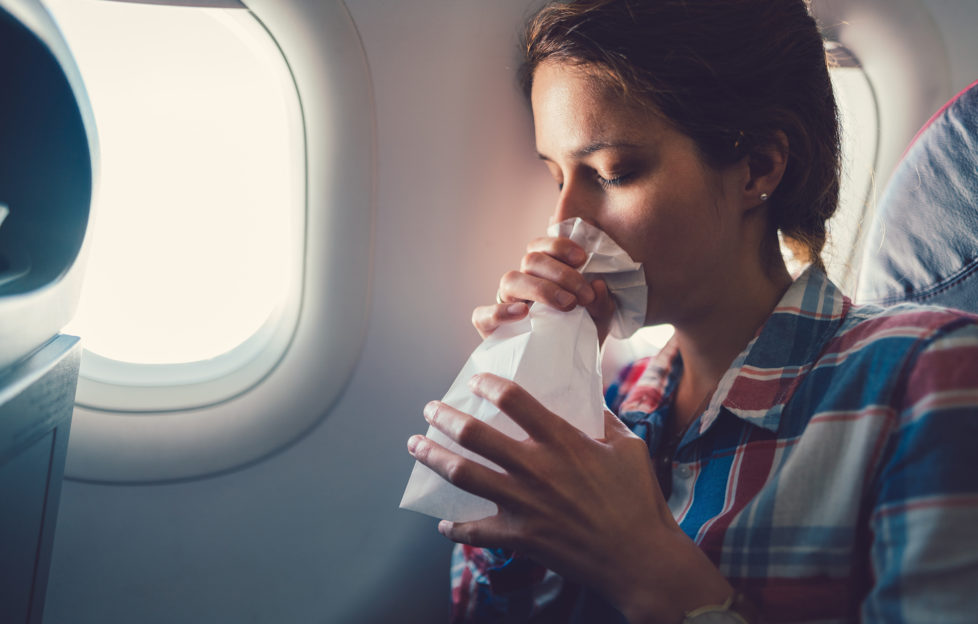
194,275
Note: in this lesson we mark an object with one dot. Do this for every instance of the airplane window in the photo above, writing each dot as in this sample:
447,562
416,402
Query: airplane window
199,262
197,246
859,116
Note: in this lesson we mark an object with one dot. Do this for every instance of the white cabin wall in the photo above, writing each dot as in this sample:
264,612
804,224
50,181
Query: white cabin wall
313,534
957,20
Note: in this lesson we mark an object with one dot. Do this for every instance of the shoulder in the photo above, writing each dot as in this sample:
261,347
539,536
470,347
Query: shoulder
923,362
907,320
887,360
942,372
895,337
934,416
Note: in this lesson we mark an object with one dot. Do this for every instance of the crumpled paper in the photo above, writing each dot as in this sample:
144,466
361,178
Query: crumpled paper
609,262
553,355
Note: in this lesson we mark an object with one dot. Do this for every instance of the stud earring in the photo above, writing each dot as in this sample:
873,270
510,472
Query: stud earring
764,196
739,139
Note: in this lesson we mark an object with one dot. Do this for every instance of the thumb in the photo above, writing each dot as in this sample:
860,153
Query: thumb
602,308
603,304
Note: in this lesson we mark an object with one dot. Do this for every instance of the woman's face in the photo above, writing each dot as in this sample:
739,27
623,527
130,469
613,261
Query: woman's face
629,172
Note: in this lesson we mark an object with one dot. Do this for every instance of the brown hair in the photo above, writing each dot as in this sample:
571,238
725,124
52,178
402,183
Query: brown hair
728,73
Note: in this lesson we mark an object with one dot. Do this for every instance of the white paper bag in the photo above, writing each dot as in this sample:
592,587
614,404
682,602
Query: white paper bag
552,354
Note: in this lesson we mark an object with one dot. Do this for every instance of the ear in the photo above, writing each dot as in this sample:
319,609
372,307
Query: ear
765,165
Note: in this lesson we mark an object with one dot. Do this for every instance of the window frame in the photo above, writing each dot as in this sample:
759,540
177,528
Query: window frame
126,445
111,385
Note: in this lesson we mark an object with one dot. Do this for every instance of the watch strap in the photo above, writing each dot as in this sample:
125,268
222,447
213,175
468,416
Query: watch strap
735,610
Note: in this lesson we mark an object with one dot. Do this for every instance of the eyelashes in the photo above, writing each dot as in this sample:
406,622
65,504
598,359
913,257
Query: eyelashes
613,182
606,183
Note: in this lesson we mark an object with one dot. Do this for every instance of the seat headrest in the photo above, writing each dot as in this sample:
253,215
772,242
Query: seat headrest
923,243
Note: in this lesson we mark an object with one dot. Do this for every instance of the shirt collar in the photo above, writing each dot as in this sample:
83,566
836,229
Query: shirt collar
762,378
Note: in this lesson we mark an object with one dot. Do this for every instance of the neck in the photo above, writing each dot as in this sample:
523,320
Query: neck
710,342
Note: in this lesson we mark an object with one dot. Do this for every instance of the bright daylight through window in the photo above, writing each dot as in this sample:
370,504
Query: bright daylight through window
859,119
195,219
859,115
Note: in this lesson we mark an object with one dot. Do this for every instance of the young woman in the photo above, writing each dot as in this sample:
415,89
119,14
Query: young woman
788,456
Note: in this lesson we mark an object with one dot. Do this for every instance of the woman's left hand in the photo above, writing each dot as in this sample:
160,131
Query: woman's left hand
591,510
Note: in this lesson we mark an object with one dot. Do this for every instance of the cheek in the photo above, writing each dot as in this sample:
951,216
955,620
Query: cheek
629,226
673,244
650,224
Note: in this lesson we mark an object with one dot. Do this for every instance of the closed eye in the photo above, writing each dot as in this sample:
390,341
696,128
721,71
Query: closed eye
613,182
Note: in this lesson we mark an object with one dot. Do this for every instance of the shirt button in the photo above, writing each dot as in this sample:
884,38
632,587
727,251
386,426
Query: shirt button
682,471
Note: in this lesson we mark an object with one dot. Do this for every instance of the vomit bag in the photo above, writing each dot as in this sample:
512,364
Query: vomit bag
554,355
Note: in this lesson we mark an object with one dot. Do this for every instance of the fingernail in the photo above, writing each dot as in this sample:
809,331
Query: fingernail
475,382
565,298
413,443
576,256
430,409
444,527
515,308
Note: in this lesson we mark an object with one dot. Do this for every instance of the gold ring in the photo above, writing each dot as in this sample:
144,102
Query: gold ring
499,297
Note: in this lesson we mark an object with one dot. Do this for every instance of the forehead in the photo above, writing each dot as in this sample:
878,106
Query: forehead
573,106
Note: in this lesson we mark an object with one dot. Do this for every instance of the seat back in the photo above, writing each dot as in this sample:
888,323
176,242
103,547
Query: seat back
923,244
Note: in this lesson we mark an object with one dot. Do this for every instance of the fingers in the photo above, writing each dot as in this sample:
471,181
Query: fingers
547,274
544,266
563,249
538,422
487,319
459,471
474,435
517,288
490,532
602,309
563,295
603,305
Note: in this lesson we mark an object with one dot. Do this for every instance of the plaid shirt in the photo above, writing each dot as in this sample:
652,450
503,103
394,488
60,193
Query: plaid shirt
832,478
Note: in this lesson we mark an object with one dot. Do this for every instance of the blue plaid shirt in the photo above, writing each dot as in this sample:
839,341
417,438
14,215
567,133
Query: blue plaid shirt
832,478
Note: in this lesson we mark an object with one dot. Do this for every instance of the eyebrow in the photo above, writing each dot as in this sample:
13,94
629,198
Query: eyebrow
591,148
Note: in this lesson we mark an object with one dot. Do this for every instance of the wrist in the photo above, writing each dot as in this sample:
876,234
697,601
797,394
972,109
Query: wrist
667,609
678,580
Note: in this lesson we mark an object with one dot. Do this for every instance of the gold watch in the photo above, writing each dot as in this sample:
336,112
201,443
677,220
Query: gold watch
736,610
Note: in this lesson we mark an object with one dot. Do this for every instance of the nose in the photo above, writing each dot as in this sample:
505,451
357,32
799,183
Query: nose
572,202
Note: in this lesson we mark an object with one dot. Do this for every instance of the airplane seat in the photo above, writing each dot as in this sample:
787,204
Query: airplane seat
923,243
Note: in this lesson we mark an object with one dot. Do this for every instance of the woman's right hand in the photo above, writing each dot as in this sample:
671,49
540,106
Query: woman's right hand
547,274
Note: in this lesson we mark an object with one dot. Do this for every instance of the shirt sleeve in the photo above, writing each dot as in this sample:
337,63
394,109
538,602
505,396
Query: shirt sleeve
493,585
924,549
618,390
